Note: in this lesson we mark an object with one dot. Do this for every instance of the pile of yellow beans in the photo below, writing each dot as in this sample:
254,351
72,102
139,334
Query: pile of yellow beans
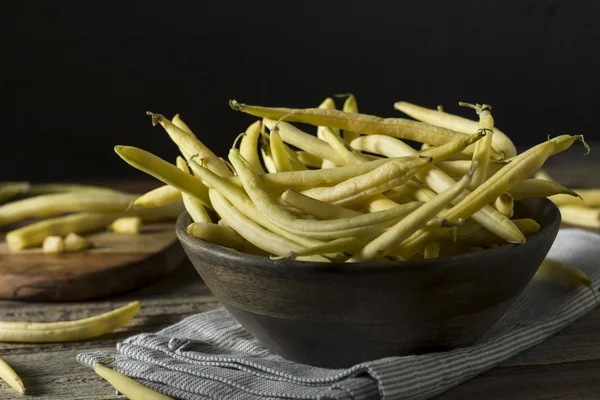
355,190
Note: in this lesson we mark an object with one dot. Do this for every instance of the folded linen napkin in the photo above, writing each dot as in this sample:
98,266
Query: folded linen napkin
210,356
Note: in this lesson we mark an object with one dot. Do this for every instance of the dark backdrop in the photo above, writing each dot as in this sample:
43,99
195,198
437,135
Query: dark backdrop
77,76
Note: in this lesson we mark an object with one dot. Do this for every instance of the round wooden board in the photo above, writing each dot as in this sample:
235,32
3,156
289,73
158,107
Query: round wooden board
118,263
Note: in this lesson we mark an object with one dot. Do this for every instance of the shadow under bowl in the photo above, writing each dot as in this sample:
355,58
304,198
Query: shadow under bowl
338,315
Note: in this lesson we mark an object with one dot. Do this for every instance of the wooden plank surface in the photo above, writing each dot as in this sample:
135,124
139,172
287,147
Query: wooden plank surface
116,264
566,366
50,371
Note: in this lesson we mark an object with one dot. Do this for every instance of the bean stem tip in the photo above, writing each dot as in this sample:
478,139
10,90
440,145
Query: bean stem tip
237,139
156,118
587,146
479,108
472,170
236,106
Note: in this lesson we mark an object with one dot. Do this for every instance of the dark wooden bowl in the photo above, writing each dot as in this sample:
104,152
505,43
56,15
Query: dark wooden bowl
339,315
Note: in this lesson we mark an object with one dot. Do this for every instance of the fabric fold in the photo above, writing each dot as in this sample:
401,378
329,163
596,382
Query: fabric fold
211,356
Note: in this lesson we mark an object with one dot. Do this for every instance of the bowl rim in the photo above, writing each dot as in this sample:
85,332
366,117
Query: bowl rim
552,224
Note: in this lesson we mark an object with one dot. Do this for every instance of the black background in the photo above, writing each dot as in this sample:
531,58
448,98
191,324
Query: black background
77,76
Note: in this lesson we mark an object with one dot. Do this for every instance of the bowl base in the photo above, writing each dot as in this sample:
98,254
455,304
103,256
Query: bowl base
334,345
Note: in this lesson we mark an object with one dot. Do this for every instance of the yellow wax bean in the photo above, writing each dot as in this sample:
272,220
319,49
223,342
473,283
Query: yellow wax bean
564,274
242,202
440,222
543,175
33,234
413,191
582,197
192,205
327,104
133,390
302,140
484,237
278,152
563,142
440,153
340,147
313,178
392,195
126,225
268,160
514,172
310,160
190,146
458,168
580,216
327,164
350,106
9,376
68,331
384,145
254,233
158,197
223,236
9,190
56,204
521,167
362,123
539,188
393,147
501,142
130,388
417,242
315,207
164,171
432,250
343,227
588,198
468,229
459,156
334,247
163,213
74,242
376,203
178,122
380,202
439,181
505,204
527,225
388,240
249,146
53,244
518,170
370,157
483,148
359,188
297,165
52,188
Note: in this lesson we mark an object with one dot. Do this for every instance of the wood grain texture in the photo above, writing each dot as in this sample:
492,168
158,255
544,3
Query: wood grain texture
564,367
136,260
117,263
50,371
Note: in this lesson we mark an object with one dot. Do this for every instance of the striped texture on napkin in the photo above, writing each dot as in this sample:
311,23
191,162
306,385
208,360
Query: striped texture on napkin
210,356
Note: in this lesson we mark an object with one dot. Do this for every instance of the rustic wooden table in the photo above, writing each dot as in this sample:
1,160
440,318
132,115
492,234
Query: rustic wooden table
566,366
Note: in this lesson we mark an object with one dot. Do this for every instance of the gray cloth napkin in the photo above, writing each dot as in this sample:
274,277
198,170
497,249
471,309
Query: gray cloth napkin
210,356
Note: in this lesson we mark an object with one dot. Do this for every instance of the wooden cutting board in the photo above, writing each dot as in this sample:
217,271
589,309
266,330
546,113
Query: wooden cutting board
118,263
